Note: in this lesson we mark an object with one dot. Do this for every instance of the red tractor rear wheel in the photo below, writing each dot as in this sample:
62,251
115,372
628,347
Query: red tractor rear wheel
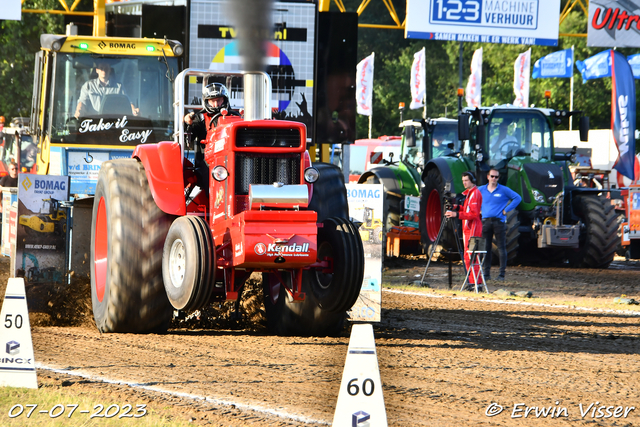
127,236
328,295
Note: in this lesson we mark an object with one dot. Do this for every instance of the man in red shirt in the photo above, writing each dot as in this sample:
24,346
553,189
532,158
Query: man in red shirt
469,213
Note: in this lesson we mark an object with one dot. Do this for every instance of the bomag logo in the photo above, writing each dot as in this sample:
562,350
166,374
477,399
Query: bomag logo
43,184
102,45
26,183
122,45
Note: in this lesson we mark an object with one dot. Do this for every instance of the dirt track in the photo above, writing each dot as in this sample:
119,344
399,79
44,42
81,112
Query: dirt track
444,360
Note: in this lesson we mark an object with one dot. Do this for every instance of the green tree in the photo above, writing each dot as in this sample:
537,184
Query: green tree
20,40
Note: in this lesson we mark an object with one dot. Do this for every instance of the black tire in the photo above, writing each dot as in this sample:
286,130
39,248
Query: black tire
598,237
329,198
128,231
620,218
305,318
392,205
512,235
431,215
339,241
188,263
310,318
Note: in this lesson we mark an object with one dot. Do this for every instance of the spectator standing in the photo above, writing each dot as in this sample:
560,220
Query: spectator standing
10,180
497,201
469,213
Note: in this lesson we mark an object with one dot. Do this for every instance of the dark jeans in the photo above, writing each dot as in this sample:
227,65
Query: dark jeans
491,227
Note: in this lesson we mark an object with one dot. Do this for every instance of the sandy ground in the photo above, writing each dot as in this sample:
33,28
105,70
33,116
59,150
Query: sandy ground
445,359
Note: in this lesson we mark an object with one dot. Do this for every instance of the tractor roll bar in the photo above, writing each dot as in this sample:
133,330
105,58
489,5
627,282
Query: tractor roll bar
256,95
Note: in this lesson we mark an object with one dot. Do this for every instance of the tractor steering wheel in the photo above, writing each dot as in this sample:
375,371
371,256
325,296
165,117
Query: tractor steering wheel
508,146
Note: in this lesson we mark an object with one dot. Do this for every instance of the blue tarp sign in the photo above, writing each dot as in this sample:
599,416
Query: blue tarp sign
634,61
596,66
556,64
623,113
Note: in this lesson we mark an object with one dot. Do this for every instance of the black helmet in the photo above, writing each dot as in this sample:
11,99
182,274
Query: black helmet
215,90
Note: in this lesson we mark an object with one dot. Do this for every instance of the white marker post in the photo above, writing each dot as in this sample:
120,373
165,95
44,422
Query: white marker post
17,365
360,400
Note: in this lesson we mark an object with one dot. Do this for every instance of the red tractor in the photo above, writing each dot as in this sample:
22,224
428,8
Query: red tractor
179,228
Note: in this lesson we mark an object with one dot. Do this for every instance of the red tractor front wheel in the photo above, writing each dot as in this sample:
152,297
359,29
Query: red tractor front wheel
188,264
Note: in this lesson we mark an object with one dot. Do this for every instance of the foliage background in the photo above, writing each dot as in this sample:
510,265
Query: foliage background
20,40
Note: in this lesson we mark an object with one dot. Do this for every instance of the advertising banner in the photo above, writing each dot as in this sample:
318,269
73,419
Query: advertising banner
411,212
634,61
595,67
530,22
365,205
364,85
623,113
474,86
556,64
9,198
521,72
417,81
614,23
290,55
41,229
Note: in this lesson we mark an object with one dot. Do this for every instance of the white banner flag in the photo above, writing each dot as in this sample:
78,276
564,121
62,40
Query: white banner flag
364,85
474,86
522,72
418,85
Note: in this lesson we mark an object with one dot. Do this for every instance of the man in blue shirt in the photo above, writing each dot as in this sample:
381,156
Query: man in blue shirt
497,200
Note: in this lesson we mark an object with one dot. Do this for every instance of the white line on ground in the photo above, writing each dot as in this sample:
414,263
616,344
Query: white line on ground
208,399
498,301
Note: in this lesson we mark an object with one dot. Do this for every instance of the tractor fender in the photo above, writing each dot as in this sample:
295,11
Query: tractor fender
442,165
162,163
451,169
386,176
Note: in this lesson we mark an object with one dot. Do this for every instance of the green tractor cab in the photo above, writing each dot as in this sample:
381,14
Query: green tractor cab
422,140
555,218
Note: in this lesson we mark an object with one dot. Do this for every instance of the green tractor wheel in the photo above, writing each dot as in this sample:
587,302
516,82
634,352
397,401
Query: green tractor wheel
598,237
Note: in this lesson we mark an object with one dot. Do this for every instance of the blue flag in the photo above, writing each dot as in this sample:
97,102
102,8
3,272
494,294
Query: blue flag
556,64
623,113
596,66
634,61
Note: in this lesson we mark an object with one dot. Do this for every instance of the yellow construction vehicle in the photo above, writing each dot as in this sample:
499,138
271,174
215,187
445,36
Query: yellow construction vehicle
371,228
75,125
51,219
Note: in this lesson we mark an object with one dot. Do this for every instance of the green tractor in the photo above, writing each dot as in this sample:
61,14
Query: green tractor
422,140
555,219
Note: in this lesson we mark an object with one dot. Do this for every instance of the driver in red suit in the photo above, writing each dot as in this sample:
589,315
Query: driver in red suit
469,213
215,99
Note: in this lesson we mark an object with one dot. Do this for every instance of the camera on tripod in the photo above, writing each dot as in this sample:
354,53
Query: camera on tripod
450,201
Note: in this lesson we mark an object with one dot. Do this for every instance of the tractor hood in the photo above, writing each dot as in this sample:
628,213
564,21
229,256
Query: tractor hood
545,177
